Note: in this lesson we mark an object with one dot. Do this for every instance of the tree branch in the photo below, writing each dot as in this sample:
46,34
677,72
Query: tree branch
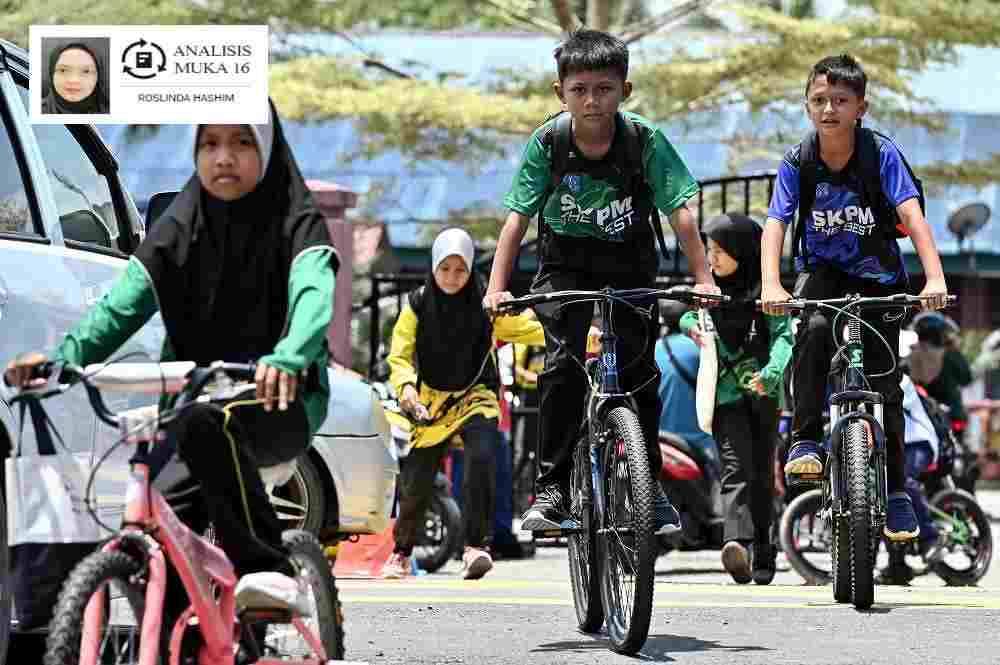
599,14
639,30
508,13
568,21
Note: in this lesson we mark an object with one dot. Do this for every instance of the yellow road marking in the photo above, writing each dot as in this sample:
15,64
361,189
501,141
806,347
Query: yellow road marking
747,603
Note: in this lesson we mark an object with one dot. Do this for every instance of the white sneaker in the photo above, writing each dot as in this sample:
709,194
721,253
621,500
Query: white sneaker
476,562
396,567
272,591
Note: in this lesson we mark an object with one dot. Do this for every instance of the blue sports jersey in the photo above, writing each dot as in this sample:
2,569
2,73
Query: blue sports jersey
843,231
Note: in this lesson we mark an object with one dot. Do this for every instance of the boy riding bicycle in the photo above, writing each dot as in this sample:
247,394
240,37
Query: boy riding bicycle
595,231
847,246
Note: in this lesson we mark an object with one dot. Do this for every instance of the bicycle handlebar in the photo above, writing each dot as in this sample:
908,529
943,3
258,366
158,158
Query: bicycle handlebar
524,302
857,301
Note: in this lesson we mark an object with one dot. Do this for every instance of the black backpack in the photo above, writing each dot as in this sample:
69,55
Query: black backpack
871,181
631,167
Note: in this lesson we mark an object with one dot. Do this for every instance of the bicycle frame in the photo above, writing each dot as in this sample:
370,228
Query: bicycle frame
208,577
854,403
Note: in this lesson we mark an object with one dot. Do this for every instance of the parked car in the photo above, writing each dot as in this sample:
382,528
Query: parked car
67,228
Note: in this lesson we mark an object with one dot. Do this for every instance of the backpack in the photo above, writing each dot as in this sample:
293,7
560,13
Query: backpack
631,167
871,182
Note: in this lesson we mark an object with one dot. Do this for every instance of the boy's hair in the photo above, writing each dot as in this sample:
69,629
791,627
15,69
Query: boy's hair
840,69
591,50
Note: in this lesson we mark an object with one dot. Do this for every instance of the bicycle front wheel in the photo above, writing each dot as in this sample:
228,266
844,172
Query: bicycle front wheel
625,542
584,570
861,502
108,578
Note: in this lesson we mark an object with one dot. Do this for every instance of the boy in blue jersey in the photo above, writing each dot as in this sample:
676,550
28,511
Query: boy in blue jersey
848,246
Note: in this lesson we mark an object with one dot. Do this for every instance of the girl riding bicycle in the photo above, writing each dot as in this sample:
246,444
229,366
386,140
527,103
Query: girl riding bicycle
444,370
241,268
753,351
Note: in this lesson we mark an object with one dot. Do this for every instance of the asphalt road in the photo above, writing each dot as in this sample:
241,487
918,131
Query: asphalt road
522,613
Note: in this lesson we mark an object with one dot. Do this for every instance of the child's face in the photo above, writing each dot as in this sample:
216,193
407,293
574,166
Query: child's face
592,97
723,265
833,109
75,75
451,274
228,161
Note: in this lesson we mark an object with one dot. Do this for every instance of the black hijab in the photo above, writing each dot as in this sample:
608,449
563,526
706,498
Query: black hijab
221,269
96,102
454,336
740,236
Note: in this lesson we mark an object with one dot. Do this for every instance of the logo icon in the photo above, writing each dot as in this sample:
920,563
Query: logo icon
573,182
143,60
822,190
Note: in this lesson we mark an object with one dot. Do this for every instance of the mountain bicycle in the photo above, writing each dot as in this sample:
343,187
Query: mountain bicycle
612,549
111,608
854,494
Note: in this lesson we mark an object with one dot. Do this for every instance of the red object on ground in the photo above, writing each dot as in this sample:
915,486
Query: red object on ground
364,559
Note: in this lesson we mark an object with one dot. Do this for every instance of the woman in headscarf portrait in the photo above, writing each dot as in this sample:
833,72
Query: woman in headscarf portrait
77,79
753,350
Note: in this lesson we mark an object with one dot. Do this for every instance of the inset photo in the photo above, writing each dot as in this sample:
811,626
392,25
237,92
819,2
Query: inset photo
75,75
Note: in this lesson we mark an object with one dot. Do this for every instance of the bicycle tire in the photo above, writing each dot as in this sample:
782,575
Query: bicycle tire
947,501
804,506
584,572
94,572
860,500
307,557
432,552
624,459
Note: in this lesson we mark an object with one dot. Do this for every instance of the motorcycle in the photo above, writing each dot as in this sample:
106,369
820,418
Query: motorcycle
690,479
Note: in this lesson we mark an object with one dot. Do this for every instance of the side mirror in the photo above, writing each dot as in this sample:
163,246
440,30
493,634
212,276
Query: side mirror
158,203
85,226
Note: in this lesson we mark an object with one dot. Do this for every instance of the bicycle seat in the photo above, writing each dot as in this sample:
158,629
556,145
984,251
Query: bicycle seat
271,592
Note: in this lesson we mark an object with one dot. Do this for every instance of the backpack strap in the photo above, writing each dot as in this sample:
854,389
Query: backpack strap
635,174
869,165
561,140
808,174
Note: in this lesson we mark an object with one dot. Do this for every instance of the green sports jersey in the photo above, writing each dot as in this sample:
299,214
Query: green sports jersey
590,202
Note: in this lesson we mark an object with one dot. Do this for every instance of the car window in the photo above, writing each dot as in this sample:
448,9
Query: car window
15,213
83,196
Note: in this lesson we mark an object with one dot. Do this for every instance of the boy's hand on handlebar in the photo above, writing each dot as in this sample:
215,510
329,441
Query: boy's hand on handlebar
935,294
409,401
275,384
771,297
20,371
491,300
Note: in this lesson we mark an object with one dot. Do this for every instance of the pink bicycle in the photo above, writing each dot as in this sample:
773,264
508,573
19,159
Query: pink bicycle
110,610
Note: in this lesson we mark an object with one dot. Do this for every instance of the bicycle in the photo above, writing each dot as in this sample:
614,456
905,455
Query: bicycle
853,482
134,562
612,549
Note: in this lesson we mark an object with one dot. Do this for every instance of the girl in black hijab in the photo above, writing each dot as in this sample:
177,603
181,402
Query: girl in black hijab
77,81
444,370
241,268
753,350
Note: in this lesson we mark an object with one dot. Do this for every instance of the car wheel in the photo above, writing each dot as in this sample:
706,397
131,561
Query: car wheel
301,502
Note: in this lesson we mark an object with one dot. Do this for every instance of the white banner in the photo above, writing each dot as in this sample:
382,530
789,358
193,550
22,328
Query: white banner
149,74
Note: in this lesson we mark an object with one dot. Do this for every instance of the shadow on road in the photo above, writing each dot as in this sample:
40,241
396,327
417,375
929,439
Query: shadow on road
658,648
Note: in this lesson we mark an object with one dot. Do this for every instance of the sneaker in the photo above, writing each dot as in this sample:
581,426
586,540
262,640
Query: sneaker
805,457
736,561
895,574
666,519
476,562
764,555
548,511
273,591
900,520
396,567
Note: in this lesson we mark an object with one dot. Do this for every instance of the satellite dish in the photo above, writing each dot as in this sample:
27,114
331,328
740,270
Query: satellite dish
968,219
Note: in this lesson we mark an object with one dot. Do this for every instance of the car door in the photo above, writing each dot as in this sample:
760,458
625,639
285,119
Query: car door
66,229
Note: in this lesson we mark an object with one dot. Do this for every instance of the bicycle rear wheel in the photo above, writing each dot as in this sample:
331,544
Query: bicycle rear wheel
861,503
626,545
115,574
584,570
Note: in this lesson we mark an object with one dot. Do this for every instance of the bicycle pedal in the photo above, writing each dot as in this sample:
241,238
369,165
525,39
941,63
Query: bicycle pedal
549,529
804,479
